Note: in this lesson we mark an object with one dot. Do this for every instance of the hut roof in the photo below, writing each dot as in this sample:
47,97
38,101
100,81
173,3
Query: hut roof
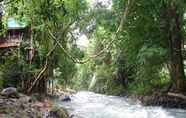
15,24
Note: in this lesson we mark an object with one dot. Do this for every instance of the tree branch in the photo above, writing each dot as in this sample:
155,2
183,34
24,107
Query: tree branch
114,37
65,51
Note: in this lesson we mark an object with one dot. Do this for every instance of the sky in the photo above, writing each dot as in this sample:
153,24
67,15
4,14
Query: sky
82,41
107,3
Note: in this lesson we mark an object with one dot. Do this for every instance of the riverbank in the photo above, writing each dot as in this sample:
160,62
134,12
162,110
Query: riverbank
169,100
24,107
34,106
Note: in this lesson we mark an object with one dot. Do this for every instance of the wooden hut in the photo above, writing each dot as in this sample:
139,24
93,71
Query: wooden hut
14,34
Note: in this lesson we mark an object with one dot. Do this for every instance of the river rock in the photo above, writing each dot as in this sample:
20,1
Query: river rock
23,107
70,91
65,98
57,112
25,99
10,92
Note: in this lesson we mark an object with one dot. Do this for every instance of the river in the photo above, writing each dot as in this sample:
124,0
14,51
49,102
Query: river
91,105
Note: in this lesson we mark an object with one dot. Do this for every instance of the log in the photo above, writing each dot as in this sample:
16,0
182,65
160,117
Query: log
179,95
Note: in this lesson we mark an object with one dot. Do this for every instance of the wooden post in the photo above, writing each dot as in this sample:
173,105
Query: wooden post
30,49
52,87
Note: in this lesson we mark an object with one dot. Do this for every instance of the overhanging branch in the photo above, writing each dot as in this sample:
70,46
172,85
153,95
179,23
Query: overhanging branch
114,37
65,51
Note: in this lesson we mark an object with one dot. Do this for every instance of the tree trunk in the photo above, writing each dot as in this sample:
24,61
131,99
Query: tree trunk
1,24
175,45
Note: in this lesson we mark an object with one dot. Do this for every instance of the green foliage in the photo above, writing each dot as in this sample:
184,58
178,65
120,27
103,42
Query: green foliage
82,78
135,61
142,47
41,15
1,80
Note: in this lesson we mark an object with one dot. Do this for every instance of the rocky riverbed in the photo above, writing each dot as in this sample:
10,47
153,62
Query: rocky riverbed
23,107
17,105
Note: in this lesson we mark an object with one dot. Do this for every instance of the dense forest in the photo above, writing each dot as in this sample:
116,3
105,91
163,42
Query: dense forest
118,47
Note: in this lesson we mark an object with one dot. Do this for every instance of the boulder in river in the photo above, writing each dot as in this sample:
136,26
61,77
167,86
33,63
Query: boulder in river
10,92
65,98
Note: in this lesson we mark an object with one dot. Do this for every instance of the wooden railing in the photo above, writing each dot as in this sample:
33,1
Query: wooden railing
10,41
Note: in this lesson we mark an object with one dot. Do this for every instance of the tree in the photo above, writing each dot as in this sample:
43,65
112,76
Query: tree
174,25
153,37
58,17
